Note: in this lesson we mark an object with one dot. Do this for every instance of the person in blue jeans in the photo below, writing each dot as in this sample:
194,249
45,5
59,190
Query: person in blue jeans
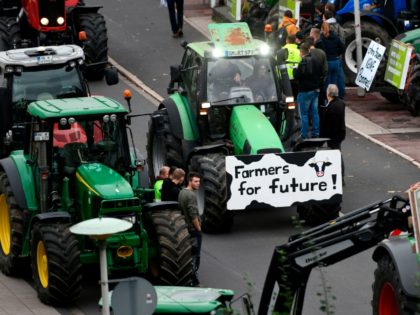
308,73
176,16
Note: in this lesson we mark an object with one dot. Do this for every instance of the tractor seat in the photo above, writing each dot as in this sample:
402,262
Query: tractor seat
74,155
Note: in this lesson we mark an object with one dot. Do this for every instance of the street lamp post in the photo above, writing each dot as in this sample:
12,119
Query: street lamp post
358,31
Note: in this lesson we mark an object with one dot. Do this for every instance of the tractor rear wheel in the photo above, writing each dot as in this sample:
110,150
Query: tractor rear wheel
11,229
9,32
172,264
318,213
96,45
55,261
212,195
370,31
163,148
388,295
414,92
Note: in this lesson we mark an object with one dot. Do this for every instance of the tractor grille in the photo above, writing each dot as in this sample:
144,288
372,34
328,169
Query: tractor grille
120,206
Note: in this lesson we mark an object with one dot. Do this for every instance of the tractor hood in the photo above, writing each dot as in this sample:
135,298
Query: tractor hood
104,181
252,133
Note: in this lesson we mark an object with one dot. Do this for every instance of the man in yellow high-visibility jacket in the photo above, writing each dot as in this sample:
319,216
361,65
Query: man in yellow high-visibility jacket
293,59
163,174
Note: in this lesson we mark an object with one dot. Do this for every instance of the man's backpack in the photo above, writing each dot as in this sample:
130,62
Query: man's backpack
282,35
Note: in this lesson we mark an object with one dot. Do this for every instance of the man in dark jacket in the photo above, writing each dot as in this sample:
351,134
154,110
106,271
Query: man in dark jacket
172,185
308,73
332,120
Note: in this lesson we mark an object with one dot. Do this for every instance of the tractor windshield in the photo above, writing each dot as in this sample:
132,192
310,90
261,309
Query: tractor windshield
41,83
248,80
102,140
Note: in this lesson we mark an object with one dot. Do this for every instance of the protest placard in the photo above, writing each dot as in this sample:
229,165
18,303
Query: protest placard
281,180
398,63
370,64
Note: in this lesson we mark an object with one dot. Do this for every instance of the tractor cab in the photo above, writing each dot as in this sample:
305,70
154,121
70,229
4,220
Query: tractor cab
232,69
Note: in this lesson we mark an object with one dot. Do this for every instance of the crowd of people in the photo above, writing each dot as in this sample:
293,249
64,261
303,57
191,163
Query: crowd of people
316,73
169,187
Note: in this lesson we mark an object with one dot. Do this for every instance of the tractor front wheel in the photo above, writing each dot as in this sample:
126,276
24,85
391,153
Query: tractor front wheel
388,295
172,262
9,32
11,229
96,45
212,195
55,261
163,148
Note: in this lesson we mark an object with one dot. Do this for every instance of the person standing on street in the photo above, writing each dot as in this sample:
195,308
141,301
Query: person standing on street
187,201
163,174
172,185
292,61
333,120
176,17
308,74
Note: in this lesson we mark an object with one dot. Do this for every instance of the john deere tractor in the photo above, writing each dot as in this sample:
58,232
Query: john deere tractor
30,74
76,164
31,23
226,98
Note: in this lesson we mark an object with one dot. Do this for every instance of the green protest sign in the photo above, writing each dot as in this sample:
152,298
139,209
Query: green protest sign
398,63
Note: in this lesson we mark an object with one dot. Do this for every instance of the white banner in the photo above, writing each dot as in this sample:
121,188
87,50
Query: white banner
370,65
280,180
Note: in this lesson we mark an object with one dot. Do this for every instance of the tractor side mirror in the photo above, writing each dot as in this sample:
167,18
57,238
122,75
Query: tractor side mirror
176,73
184,44
111,76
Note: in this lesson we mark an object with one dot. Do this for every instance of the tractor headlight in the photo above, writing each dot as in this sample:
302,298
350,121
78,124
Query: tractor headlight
106,118
265,49
44,21
60,20
217,53
72,120
290,99
9,69
205,105
113,118
63,121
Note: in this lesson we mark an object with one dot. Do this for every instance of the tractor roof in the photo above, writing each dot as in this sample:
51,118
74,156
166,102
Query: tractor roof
39,56
81,106
230,39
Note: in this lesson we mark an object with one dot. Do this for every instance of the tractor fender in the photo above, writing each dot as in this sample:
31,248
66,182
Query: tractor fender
61,216
161,205
174,117
12,172
83,9
373,17
207,149
400,250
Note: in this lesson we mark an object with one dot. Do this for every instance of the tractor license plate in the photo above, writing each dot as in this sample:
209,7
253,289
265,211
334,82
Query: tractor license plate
45,59
41,136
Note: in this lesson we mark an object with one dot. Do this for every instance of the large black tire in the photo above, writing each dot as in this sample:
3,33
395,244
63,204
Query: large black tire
11,230
317,214
9,32
212,195
392,97
370,31
414,91
163,148
168,232
55,262
388,295
96,46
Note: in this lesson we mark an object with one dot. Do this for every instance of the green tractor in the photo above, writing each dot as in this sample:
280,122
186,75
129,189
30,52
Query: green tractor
226,98
76,164
31,74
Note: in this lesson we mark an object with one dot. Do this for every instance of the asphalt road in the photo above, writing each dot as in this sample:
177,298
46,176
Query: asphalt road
140,40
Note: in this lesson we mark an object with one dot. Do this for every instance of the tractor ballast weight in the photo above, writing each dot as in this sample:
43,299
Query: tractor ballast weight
76,165
39,23
228,97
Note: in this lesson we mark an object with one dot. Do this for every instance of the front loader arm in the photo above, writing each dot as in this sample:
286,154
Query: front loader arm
324,245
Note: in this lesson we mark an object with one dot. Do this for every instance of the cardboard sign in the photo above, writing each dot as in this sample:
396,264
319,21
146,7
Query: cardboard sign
370,65
281,180
398,63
